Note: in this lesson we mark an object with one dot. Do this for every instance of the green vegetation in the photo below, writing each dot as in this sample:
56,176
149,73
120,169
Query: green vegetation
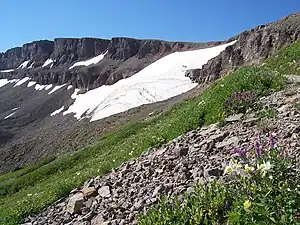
266,113
262,187
287,61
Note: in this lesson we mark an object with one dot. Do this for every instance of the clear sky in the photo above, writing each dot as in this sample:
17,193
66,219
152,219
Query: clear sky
182,20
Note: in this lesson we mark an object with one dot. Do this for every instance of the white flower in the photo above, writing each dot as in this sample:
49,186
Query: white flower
248,168
264,167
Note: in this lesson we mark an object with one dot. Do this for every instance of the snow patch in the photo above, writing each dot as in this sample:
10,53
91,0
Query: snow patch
13,81
24,65
22,81
47,62
7,71
39,87
56,88
31,83
57,111
14,109
69,87
89,62
159,81
10,115
48,87
3,82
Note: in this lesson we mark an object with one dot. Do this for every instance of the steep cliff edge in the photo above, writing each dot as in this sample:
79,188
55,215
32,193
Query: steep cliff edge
251,47
86,62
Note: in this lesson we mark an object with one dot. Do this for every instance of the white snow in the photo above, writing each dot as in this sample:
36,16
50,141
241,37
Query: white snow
161,80
13,81
89,62
7,71
22,81
56,88
24,65
47,62
39,87
10,115
14,109
57,111
3,82
31,65
31,83
69,87
48,87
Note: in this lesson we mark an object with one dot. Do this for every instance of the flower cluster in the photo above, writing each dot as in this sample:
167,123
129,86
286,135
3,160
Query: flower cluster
239,102
245,163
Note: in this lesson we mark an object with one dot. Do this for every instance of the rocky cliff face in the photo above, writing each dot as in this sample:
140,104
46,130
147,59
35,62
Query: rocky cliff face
251,47
37,51
123,57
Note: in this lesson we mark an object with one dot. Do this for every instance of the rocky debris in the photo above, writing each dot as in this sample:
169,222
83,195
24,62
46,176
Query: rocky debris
251,47
195,157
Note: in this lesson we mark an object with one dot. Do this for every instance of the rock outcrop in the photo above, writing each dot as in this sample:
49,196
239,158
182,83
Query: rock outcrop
251,47
49,62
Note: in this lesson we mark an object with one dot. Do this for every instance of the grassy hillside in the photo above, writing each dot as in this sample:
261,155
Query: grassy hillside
287,61
30,189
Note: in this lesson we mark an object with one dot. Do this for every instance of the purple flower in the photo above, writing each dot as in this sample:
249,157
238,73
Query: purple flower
250,196
258,147
272,141
239,152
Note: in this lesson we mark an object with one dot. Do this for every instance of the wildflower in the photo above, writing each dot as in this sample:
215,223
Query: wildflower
250,196
248,168
272,141
264,168
228,169
247,204
258,147
239,152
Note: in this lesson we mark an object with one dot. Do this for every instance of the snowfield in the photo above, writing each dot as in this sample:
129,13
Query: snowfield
47,62
22,81
159,81
24,65
89,62
57,111
7,71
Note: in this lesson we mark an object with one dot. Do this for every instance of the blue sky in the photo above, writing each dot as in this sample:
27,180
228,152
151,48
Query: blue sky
182,20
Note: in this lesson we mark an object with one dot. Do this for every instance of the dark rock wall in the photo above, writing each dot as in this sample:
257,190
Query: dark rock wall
251,47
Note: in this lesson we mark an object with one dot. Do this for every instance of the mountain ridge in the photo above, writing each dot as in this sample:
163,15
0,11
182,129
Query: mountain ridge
125,56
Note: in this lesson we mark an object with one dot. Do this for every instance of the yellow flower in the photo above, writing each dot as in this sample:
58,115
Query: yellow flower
247,204
248,168
228,170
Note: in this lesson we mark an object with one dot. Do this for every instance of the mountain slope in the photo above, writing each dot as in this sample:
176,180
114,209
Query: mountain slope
37,129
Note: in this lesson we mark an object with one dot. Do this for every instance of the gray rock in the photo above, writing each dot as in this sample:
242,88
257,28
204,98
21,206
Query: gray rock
104,192
75,203
234,118
212,172
230,141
